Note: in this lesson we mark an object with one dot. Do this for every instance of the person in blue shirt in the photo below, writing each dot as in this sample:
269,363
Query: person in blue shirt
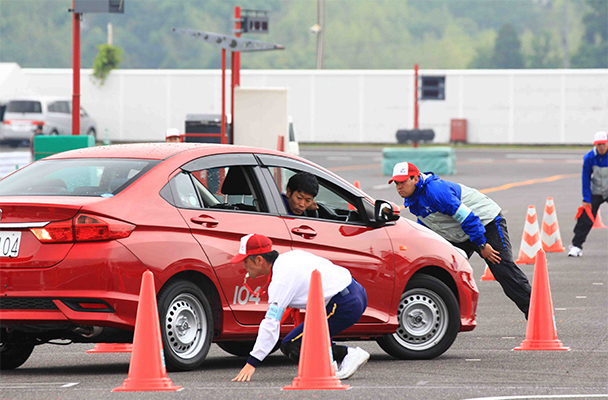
595,190
300,193
466,218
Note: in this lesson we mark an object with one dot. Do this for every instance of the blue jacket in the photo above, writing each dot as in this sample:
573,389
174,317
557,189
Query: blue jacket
595,175
456,212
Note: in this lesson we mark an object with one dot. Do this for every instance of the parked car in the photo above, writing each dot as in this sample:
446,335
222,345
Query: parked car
79,228
24,117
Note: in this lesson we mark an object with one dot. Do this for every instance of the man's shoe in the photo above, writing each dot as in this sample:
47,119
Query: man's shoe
575,251
354,359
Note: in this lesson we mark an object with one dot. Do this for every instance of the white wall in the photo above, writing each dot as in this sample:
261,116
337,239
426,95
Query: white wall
501,106
262,116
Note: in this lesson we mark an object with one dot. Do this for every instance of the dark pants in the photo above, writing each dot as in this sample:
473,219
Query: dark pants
343,311
584,224
512,279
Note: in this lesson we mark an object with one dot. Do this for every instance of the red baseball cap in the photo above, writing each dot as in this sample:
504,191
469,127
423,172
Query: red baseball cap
600,137
252,244
403,171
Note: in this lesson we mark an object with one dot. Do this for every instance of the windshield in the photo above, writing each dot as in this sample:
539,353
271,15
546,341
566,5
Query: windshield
24,106
75,177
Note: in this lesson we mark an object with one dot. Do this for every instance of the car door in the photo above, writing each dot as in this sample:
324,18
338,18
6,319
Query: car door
222,199
338,232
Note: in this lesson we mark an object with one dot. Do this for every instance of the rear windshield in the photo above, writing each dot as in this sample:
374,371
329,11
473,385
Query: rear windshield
24,106
76,177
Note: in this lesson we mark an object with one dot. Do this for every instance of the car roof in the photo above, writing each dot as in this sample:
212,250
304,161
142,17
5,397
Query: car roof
38,98
155,151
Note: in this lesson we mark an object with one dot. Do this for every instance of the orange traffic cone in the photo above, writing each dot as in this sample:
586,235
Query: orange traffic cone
487,275
147,370
530,241
550,237
541,333
315,371
112,348
598,224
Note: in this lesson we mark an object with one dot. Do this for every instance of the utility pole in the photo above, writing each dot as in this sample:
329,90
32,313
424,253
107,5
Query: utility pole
321,32
565,36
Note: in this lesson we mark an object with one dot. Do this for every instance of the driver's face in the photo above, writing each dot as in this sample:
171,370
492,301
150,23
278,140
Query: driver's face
298,201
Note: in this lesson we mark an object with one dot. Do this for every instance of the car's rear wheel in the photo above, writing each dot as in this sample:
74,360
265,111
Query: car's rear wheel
92,132
429,320
186,324
14,354
54,132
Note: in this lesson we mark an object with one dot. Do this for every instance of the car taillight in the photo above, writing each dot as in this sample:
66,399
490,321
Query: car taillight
55,232
90,228
83,228
39,123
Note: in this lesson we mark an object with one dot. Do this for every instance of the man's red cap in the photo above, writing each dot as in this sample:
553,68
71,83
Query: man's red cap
403,171
600,137
252,244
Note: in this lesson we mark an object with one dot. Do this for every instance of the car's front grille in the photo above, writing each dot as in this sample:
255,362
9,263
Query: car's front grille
26,303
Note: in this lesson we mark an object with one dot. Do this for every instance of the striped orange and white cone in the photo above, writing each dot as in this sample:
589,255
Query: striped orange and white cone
530,241
550,237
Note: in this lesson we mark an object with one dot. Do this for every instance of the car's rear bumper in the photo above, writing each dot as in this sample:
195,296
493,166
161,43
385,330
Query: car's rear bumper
96,284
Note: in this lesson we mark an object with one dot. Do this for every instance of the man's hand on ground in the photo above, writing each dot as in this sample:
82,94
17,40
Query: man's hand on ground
245,374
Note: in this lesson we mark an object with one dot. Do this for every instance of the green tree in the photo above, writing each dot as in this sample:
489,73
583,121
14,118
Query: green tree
107,59
544,54
507,51
593,51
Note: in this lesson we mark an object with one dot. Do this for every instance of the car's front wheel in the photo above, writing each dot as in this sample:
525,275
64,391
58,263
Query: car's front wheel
429,320
186,324
14,354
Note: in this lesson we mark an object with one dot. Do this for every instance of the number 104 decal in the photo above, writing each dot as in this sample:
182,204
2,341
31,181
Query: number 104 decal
242,295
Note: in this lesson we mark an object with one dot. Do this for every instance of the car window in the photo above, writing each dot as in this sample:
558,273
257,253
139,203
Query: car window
24,106
226,188
333,203
75,177
63,107
53,107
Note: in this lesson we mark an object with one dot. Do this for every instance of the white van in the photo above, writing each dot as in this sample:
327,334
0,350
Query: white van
49,115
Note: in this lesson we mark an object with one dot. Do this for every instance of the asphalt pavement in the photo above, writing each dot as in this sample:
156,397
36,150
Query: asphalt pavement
480,364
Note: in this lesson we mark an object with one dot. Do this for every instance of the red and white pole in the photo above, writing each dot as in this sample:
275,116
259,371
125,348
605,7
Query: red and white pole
76,71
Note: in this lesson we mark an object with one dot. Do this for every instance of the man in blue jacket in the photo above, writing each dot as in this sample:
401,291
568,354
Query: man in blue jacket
595,190
466,218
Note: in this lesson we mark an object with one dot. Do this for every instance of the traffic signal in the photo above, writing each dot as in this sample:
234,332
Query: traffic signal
255,24
99,6
432,88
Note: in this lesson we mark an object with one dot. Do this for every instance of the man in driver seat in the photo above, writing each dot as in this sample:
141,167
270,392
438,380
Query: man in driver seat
300,194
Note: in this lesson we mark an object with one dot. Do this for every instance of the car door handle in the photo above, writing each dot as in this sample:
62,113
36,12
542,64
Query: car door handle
305,231
206,220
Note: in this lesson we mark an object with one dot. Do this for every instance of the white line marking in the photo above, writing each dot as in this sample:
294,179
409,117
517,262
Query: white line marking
560,309
581,297
508,337
422,383
541,155
70,384
472,359
550,396
598,283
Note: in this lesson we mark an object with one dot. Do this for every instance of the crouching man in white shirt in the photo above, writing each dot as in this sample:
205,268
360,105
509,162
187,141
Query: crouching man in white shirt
289,279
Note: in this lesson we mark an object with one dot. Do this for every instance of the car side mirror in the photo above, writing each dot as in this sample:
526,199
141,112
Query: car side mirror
384,212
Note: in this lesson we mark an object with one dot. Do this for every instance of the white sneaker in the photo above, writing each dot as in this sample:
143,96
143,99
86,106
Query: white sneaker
354,359
575,251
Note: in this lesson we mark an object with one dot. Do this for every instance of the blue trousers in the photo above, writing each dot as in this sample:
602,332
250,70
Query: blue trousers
343,311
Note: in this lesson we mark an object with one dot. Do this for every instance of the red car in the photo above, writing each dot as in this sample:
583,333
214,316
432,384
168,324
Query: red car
78,229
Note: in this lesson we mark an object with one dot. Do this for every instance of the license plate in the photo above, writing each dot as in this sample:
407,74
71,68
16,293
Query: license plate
9,244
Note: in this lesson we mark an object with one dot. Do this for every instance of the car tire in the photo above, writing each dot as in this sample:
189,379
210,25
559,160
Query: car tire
13,355
429,320
186,323
54,132
242,349
92,132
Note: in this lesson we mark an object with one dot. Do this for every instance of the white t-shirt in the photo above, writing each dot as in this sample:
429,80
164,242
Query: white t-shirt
291,274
